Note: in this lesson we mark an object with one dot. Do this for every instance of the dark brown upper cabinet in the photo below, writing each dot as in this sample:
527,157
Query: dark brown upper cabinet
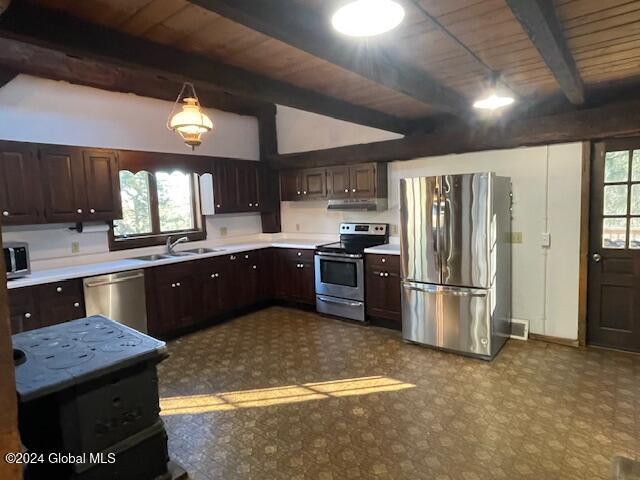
65,194
338,183
314,183
290,185
237,186
20,196
80,185
102,182
367,180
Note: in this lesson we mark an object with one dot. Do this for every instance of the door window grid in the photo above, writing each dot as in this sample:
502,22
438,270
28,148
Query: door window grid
621,200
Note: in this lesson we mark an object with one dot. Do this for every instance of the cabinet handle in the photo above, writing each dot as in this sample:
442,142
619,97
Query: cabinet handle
254,267
386,274
232,257
79,210
256,204
173,285
93,210
177,284
346,190
299,254
77,304
298,192
305,192
59,289
384,260
213,275
251,204
353,190
218,205
5,214
382,274
246,256
27,315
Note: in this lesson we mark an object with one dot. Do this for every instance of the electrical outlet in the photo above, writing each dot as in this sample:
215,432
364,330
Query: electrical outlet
516,237
546,240
75,247
223,231
394,229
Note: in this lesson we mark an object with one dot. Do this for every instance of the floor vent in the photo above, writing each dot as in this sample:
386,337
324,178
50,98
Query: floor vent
519,329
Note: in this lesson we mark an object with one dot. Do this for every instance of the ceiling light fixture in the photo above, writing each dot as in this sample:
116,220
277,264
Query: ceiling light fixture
190,123
495,97
366,18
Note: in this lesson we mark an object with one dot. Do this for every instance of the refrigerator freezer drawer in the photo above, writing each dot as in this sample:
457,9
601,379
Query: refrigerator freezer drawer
452,318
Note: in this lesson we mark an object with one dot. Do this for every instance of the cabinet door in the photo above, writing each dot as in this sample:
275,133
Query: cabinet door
20,191
176,294
211,288
225,186
338,182
249,266
231,281
314,183
306,292
65,197
102,184
363,180
24,309
383,288
60,302
290,186
248,187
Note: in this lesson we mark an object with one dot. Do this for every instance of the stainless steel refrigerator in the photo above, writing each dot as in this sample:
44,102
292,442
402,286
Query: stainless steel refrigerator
456,262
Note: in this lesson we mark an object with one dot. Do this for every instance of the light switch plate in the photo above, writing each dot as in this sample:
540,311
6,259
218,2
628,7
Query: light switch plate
546,240
223,231
516,237
75,247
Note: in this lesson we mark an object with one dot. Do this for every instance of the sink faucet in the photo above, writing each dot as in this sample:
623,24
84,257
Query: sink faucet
171,245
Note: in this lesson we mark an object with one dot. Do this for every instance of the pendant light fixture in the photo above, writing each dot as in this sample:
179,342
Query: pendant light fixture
366,18
494,97
190,122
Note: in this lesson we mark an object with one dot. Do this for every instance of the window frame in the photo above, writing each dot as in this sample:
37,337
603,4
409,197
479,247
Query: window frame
157,237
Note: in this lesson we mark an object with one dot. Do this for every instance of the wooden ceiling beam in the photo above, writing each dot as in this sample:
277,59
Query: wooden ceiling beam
302,28
612,120
539,20
72,41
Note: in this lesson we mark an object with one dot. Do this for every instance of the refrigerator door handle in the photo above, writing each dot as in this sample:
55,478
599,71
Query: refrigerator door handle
435,224
455,291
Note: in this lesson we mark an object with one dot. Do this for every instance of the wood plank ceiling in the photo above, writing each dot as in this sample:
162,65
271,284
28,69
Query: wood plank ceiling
602,35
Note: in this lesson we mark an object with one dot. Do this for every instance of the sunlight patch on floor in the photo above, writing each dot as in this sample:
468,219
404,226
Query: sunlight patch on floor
265,397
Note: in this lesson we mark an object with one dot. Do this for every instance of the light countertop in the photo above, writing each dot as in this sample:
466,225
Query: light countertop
388,249
51,275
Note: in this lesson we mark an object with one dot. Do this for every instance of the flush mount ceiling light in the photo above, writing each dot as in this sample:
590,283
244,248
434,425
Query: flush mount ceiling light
190,123
493,101
366,18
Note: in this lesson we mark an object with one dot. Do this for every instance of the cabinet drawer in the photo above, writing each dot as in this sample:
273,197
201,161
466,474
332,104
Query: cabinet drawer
67,288
389,263
299,254
171,273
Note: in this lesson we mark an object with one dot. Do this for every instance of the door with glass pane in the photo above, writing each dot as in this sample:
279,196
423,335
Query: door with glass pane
614,269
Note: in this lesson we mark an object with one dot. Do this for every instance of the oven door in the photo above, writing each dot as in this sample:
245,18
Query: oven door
339,276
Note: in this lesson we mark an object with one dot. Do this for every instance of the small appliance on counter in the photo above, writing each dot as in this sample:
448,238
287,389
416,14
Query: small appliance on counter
339,269
456,262
16,259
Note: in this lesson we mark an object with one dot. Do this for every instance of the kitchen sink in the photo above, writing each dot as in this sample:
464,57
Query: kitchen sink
200,251
151,258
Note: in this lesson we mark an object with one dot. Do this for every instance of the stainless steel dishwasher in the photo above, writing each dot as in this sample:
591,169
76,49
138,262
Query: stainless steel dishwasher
118,296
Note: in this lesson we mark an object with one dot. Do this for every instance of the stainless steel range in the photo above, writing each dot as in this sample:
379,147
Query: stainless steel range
339,269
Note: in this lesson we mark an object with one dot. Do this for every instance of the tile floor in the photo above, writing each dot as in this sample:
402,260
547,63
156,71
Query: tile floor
286,394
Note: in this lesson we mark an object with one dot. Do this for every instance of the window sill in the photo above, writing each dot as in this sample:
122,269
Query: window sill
116,244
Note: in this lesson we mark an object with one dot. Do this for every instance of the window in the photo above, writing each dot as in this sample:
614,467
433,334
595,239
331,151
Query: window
156,206
621,200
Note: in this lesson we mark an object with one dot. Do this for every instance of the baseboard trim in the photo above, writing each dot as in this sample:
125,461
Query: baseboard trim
557,340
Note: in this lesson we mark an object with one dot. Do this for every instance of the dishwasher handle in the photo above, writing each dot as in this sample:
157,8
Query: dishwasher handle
114,281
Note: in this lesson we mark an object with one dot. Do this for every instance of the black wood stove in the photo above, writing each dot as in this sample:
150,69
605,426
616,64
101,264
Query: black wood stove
88,393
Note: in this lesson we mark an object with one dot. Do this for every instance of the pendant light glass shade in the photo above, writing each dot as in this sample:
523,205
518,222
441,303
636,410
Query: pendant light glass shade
190,123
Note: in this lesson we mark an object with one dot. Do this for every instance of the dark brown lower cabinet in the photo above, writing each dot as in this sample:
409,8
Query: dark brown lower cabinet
295,277
44,305
382,287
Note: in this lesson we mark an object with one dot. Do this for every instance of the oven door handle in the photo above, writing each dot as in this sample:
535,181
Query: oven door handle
338,301
339,255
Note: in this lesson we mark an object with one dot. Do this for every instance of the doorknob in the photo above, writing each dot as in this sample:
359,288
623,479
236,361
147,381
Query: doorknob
597,257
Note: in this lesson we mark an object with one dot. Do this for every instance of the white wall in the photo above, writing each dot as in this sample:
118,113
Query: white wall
34,109
37,110
546,186
300,131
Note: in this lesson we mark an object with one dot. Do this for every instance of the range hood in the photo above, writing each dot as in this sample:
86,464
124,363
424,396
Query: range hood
361,204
